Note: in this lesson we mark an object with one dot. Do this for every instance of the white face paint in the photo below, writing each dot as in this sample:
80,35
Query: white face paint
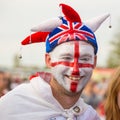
118,99
72,64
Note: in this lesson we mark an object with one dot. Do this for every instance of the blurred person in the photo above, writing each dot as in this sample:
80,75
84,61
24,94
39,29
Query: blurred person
91,94
112,104
8,77
101,108
71,53
102,87
86,94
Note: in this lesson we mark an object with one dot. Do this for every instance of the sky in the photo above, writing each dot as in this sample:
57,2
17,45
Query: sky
17,17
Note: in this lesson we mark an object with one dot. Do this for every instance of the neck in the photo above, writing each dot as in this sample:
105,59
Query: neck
65,98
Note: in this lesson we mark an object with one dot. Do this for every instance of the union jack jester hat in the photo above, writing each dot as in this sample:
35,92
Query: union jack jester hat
65,28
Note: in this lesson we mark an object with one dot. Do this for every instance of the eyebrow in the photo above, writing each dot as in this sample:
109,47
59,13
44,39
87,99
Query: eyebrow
86,55
66,54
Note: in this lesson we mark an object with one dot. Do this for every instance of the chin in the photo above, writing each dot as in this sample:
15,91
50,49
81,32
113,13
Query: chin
71,93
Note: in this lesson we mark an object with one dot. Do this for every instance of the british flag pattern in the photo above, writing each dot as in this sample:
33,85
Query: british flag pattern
69,31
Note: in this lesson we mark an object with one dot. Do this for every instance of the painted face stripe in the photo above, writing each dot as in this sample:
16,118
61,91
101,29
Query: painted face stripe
76,57
75,72
73,86
71,64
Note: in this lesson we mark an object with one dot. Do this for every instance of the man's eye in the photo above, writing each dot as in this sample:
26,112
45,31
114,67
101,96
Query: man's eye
85,59
66,58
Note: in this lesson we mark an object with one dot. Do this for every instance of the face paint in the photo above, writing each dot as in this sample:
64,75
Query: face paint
75,72
76,59
72,64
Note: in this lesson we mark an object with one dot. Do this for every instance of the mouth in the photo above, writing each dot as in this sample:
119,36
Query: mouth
74,78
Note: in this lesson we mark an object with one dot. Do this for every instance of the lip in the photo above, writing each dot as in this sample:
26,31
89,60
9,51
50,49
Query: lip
74,78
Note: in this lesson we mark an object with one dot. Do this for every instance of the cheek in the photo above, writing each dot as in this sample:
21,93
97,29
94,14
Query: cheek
87,73
55,70
58,73
59,70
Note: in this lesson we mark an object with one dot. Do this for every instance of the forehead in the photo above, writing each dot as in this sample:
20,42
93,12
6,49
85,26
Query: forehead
69,48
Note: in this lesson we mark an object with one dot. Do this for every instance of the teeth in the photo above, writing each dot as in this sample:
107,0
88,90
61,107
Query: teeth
74,78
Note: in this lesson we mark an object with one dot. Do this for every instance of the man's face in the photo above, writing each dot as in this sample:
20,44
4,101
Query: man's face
72,64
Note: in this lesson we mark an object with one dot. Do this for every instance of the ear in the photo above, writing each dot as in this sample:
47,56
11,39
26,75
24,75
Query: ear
48,60
95,61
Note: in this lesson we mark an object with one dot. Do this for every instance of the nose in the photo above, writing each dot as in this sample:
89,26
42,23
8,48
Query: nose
76,68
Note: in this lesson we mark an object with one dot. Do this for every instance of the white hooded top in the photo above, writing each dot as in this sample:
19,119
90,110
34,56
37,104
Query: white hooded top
34,101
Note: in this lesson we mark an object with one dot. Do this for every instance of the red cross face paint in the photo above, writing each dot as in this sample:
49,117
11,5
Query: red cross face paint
72,64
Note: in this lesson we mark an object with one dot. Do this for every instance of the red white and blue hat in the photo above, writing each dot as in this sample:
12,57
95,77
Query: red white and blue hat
64,29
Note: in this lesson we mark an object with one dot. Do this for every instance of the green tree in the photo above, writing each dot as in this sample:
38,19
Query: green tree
114,56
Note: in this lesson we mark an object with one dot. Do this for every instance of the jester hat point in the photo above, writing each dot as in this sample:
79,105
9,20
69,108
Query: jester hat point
64,29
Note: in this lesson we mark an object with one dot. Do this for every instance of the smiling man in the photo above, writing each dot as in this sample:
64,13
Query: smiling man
71,50
71,65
